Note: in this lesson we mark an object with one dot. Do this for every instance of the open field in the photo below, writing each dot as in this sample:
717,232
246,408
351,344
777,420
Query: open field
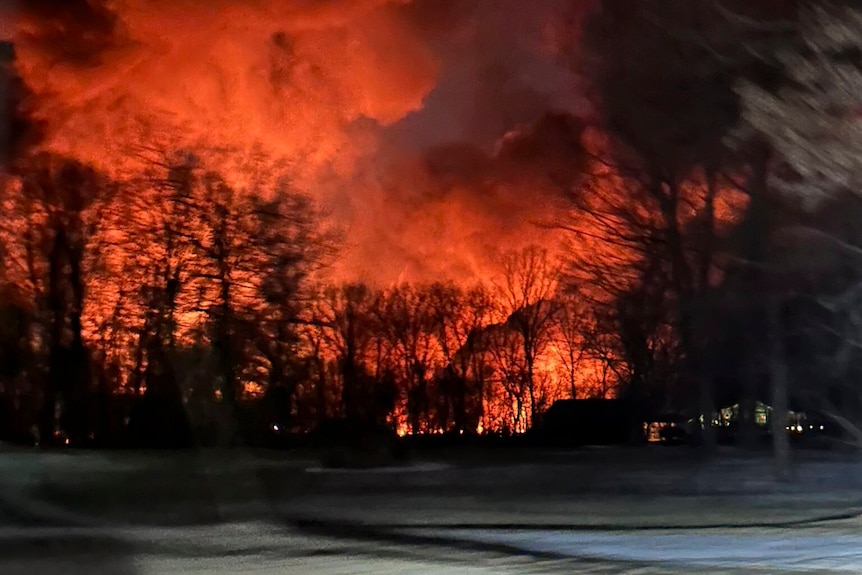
619,510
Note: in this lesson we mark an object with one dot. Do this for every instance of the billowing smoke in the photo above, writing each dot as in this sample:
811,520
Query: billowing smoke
453,209
423,126
293,76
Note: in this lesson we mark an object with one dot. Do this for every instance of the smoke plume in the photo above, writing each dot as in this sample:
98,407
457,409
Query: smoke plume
436,131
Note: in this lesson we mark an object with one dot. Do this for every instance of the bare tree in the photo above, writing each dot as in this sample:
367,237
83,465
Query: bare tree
510,397
159,267
66,195
568,339
670,146
811,122
528,292
407,320
458,316
347,312
290,247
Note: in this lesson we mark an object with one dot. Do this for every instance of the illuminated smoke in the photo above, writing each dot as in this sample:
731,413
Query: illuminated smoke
455,208
290,76
388,111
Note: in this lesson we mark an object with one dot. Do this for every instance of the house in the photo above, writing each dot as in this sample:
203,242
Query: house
574,422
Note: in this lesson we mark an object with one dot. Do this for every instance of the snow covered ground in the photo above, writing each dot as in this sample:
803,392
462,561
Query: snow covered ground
579,512
231,548
775,551
264,548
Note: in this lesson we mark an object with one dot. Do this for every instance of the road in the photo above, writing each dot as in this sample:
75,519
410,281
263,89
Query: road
579,512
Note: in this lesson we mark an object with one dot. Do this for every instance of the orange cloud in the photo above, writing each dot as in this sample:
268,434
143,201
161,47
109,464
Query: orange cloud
295,76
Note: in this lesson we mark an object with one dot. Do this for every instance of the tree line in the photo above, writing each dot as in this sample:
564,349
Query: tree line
725,168
713,259
171,307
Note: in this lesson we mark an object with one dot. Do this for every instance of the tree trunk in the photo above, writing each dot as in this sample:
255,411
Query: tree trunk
757,240
464,399
77,417
320,366
693,366
778,384
532,391
746,418
752,375
56,358
707,406
681,277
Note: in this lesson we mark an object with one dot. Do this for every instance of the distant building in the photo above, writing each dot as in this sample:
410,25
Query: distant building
574,422
799,420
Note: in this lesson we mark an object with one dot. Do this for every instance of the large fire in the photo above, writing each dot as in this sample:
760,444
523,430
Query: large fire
434,141
356,101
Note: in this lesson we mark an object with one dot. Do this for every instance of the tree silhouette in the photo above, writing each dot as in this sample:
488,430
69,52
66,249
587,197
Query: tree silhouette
811,124
670,114
528,292
20,130
63,196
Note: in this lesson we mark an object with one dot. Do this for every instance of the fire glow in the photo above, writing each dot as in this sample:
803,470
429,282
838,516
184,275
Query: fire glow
433,144
356,102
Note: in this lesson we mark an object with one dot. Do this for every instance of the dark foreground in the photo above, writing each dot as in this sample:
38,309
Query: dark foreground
587,511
